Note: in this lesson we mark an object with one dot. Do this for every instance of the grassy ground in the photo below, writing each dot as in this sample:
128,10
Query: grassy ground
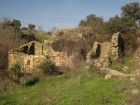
82,89
125,62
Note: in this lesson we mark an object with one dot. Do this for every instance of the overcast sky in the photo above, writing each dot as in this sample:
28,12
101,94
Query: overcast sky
59,13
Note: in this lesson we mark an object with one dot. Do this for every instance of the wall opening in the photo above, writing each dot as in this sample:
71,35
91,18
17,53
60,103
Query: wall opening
31,49
28,62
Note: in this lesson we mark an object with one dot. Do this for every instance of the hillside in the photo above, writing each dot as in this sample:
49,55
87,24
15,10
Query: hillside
95,63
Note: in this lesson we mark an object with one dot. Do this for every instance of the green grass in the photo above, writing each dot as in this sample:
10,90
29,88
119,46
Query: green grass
39,35
83,89
42,36
119,65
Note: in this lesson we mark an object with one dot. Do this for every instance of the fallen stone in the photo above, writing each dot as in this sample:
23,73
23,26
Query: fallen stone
108,76
135,91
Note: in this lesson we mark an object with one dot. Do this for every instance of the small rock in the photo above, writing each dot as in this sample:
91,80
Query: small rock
108,76
125,68
87,67
135,91
132,79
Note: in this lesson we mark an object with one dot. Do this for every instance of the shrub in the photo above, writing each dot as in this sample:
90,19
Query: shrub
49,68
6,84
10,37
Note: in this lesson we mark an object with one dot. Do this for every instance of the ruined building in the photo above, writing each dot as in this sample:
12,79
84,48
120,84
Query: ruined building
102,54
29,56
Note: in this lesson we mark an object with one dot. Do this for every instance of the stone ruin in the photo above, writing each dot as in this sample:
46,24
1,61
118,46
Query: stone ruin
29,56
102,54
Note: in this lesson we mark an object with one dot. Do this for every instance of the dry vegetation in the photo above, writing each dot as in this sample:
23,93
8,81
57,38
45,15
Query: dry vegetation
79,86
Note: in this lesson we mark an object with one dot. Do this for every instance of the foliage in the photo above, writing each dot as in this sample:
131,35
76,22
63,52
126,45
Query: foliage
49,68
42,36
6,83
94,23
31,26
127,22
10,37
12,23
120,24
132,11
39,36
16,23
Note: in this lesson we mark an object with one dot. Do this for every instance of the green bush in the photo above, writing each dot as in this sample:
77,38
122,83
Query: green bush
49,68
6,83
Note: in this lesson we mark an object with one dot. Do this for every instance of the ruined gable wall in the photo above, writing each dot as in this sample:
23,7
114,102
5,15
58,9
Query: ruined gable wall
28,56
109,51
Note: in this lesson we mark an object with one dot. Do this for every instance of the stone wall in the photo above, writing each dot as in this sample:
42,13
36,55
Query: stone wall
29,61
30,55
106,52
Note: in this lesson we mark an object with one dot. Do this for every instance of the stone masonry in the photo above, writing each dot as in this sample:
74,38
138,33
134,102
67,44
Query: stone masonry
29,56
102,54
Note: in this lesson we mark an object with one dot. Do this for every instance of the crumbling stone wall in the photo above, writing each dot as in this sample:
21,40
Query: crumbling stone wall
30,55
108,52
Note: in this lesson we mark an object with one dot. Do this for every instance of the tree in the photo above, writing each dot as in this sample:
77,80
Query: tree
132,11
31,26
5,23
94,23
10,37
16,23
82,23
10,23
121,24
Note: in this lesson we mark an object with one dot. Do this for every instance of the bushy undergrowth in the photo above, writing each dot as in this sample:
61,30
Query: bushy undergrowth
49,68
6,83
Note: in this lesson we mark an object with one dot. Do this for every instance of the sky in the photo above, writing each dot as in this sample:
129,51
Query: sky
59,13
